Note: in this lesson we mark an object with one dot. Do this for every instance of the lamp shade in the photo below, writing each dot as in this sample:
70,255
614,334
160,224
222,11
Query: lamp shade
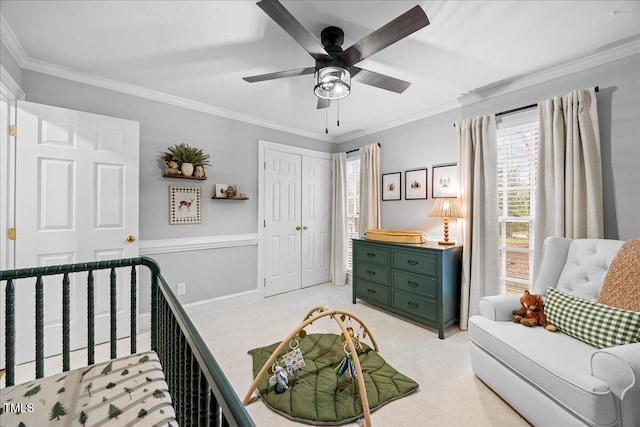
446,207
332,83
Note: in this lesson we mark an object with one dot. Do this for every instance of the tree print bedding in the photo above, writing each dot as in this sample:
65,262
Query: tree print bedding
127,391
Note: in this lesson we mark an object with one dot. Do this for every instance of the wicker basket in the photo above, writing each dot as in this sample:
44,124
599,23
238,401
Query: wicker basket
397,236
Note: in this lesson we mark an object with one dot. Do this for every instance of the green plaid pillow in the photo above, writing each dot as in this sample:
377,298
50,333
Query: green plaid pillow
596,324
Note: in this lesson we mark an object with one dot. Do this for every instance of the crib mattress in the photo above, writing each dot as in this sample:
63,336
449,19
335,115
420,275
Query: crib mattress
127,391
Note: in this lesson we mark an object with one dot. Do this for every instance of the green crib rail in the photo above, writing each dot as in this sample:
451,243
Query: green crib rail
201,393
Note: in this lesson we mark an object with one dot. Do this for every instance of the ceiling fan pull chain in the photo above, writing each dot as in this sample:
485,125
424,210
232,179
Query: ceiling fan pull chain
338,112
326,120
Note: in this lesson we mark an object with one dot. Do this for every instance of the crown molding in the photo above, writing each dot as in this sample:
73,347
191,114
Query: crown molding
11,42
599,58
80,77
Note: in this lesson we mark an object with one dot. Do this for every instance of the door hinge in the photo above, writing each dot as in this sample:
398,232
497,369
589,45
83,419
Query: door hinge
13,130
265,165
265,223
264,282
11,234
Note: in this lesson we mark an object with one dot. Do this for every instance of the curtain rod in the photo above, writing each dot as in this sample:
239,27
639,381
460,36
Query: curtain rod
526,107
357,149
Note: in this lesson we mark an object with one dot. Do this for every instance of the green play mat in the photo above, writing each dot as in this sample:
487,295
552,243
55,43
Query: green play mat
317,395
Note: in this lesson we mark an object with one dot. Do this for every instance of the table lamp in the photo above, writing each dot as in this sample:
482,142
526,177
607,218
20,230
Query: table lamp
446,207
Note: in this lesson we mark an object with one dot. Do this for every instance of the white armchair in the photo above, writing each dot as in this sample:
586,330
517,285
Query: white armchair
552,378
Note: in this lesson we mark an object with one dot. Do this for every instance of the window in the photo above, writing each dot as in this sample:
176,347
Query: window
353,203
517,148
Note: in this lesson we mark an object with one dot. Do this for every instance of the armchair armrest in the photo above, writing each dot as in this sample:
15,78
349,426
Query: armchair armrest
499,307
619,367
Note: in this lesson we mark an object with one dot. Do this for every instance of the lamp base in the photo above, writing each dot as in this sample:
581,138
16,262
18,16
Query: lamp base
446,242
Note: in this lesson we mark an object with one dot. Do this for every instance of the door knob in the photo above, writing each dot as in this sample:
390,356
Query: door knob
305,228
298,228
131,239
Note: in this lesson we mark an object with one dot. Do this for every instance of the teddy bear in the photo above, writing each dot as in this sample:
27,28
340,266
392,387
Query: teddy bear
199,172
171,168
532,312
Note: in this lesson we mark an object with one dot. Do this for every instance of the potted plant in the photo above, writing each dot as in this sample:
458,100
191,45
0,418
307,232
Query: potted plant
188,157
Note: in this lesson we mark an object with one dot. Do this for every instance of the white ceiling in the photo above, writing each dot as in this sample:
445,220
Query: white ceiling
198,51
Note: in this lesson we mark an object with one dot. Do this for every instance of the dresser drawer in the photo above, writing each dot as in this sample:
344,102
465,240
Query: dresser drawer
372,273
425,285
414,305
372,291
372,254
424,263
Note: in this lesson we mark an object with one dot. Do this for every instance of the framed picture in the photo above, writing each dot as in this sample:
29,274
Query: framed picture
391,186
221,191
444,182
415,184
185,205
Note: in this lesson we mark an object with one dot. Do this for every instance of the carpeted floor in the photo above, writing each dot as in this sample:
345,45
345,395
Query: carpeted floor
449,394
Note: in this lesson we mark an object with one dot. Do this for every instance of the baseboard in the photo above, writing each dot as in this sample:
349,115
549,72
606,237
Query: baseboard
206,306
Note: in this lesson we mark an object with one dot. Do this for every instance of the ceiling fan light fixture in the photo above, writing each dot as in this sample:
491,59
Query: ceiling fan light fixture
332,83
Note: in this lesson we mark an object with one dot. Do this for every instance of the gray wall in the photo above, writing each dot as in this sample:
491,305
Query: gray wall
233,147
9,63
433,140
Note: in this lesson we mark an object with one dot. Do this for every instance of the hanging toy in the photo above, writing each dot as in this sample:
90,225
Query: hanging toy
293,360
346,365
354,338
280,379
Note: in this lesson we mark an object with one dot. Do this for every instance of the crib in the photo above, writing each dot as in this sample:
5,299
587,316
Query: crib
197,391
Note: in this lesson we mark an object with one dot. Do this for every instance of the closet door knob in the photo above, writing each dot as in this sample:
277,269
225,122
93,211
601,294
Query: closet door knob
298,228
305,228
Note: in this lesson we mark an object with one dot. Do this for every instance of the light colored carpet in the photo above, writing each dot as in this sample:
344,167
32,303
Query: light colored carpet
449,394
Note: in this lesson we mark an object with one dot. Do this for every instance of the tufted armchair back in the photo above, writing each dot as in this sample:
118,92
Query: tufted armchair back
577,267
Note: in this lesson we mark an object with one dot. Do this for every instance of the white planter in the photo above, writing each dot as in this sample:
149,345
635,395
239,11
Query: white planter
186,169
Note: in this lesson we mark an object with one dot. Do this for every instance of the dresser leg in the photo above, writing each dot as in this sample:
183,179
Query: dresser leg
441,332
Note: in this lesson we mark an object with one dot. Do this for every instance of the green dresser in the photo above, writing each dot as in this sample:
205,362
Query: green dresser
417,281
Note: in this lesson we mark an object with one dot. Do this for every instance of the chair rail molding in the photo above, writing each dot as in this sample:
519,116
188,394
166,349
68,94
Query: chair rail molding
185,244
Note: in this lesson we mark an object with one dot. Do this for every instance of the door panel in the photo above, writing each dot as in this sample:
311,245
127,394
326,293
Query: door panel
316,220
76,201
282,216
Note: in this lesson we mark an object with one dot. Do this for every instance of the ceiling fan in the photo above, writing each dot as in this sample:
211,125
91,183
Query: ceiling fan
334,67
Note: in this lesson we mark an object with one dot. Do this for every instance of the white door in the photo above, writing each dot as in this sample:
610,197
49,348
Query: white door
297,220
76,201
282,215
316,220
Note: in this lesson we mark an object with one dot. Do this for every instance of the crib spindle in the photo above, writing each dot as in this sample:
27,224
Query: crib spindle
193,388
113,301
9,333
134,310
154,311
66,321
203,400
91,321
39,327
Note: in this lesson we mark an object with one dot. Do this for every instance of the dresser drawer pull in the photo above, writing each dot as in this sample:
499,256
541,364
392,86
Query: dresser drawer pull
412,262
412,284
371,291
371,273
370,255
412,305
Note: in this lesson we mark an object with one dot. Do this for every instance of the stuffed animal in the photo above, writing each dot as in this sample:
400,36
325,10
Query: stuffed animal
532,312
199,172
280,379
171,168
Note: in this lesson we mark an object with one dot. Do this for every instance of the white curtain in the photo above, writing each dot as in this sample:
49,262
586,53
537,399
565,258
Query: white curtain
479,201
369,188
569,185
339,248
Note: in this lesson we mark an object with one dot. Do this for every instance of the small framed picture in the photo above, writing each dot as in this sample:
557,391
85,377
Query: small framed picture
391,186
444,182
185,205
415,184
221,191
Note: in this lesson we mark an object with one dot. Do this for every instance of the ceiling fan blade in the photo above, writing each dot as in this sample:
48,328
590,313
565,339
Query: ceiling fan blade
280,75
404,25
382,81
323,103
286,20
